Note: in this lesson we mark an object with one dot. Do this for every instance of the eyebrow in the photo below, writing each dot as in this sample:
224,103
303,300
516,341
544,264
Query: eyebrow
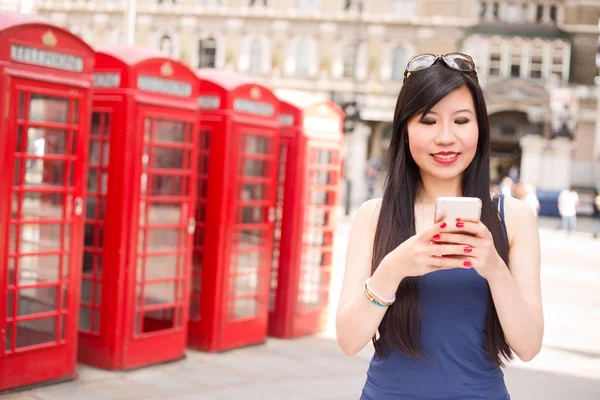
455,112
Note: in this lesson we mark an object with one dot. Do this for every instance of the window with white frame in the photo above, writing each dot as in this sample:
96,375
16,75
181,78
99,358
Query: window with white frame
537,58
303,58
207,53
399,60
306,4
495,60
350,54
512,13
558,57
403,7
483,6
255,56
516,57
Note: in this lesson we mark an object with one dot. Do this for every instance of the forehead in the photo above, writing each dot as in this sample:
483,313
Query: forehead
458,99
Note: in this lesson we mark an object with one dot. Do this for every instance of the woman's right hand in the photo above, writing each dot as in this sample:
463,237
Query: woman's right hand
423,253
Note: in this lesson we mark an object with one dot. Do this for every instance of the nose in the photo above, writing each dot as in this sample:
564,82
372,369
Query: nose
445,136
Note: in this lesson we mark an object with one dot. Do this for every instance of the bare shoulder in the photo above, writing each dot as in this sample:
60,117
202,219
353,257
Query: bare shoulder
519,218
368,213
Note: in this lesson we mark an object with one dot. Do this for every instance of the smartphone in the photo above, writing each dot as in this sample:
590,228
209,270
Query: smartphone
450,208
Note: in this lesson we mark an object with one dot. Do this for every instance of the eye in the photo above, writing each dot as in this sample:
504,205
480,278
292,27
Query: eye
427,121
462,121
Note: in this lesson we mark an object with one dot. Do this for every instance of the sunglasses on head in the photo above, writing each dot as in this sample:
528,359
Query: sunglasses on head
457,61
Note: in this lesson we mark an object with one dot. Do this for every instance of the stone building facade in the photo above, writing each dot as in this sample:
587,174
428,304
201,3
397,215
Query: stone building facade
536,60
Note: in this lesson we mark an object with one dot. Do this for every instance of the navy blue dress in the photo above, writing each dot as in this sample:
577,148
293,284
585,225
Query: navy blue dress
454,305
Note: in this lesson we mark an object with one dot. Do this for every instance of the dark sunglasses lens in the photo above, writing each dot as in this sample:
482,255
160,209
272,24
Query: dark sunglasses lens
459,62
421,62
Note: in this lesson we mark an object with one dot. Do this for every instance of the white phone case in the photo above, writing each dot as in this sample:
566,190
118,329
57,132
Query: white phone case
451,208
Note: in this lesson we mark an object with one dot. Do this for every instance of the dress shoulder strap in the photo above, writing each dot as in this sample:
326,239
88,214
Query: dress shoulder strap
499,202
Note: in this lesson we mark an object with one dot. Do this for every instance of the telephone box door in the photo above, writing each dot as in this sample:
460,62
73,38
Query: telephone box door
252,241
42,210
166,223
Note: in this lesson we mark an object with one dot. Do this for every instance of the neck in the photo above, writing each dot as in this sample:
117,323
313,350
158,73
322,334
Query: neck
432,188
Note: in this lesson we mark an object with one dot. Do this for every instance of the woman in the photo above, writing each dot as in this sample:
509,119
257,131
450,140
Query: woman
442,326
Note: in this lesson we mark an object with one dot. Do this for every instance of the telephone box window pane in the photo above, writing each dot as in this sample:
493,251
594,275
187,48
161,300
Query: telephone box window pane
85,318
314,238
169,131
255,168
42,141
44,108
105,153
161,267
98,299
21,105
96,123
164,213
325,157
86,290
323,178
94,157
9,339
320,198
63,320
256,145
252,191
73,143
33,269
45,172
96,321
244,308
65,297
92,181
159,293
11,271
159,320
9,304
42,206
248,238
163,239
36,332
168,158
17,174
168,185
37,300
248,262
251,215
246,285
37,238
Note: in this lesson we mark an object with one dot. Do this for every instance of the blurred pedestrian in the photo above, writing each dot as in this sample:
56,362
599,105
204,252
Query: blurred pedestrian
568,200
513,173
427,293
596,214
506,186
531,198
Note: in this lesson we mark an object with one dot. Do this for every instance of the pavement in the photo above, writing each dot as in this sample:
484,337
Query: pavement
567,368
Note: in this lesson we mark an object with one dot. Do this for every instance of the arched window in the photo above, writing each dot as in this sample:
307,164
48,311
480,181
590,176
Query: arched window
207,53
165,44
255,56
303,58
399,60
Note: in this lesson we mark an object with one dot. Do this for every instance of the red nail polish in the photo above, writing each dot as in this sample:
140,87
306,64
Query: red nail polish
467,264
443,225
460,225
436,237
458,219
468,249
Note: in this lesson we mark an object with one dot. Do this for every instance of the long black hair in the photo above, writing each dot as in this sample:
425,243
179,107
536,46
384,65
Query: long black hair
402,321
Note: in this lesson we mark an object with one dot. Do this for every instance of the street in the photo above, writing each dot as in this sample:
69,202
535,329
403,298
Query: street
568,366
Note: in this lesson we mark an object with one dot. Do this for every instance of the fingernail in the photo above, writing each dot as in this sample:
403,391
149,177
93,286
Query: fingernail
436,237
467,264
458,219
443,225
460,224
468,249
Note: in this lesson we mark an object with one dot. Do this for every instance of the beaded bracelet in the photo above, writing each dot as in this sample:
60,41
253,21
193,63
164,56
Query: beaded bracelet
376,298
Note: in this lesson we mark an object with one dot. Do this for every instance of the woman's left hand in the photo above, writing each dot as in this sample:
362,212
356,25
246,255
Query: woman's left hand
476,247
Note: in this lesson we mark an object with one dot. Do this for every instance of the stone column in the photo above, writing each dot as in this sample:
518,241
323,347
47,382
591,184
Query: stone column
532,149
558,166
355,164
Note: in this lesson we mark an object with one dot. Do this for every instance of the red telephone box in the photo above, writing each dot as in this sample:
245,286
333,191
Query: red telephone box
310,162
45,83
237,166
140,210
